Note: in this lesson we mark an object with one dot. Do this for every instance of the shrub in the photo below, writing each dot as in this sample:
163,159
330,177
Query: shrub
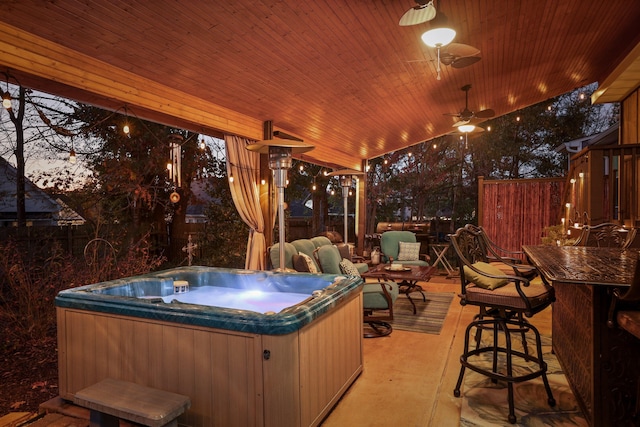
30,280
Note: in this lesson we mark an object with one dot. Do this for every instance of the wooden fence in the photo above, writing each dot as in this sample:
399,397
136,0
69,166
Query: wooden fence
515,212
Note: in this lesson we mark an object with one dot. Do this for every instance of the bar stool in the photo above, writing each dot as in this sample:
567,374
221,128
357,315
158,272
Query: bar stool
504,301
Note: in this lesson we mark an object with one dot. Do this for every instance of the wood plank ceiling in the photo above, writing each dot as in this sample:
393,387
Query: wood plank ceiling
342,75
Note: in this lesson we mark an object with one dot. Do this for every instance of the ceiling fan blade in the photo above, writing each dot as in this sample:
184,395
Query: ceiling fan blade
460,49
485,114
465,61
460,123
423,12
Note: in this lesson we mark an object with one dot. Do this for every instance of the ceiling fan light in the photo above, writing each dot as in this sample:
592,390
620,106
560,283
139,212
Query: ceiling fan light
466,128
437,37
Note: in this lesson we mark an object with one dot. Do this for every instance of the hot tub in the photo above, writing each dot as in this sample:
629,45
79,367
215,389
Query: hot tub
283,360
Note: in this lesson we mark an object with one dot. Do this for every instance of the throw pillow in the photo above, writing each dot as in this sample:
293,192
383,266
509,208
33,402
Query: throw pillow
348,268
300,264
311,265
409,251
484,281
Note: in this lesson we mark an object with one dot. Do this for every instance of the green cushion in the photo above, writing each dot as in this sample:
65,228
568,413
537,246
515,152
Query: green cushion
482,280
373,297
362,267
321,241
389,243
289,251
329,257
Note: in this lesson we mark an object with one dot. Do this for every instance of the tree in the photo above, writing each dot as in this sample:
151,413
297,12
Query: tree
309,181
444,179
17,120
131,186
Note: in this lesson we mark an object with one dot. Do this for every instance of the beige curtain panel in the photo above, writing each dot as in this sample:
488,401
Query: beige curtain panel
244,166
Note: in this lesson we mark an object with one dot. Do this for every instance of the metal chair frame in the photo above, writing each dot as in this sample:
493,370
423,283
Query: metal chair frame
470,247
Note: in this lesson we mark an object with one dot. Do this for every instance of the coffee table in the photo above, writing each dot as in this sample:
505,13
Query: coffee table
407,278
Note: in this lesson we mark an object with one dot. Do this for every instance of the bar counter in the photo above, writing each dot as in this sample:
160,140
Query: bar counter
601,363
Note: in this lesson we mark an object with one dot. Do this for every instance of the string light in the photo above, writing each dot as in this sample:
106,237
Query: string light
6,100
230,177
126,128
72,156
263,181
202,144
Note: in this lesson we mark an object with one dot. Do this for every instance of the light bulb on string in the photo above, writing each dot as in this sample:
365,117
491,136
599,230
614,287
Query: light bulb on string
202,144
6,100
72,156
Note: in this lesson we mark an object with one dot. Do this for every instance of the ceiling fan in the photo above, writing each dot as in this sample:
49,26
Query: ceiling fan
466,116
424,11
459,55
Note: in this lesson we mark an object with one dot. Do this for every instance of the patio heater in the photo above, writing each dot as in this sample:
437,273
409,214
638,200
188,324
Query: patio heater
346,179
280,157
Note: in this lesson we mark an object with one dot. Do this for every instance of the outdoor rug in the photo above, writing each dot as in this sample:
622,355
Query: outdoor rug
485,403
429,315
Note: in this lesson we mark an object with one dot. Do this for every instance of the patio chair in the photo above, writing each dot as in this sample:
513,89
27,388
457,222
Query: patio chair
606,235
402,247
504,301
624,310
377,297
510,262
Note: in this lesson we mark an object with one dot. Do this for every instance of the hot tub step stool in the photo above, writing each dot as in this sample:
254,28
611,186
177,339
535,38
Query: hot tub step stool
111,400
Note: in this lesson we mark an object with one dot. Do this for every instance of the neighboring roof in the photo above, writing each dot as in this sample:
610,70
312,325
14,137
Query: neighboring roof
198,202
39,206
68,216
341,75
606,137
36,200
